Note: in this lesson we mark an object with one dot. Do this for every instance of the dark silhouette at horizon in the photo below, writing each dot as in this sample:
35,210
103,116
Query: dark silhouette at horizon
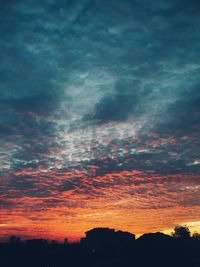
106,247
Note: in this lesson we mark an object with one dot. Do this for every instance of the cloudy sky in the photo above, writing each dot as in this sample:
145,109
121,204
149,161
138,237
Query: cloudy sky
99,116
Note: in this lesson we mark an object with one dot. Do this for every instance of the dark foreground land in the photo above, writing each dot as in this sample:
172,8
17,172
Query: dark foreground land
104,250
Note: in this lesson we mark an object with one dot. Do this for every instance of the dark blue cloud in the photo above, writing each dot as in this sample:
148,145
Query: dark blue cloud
78,78
117,106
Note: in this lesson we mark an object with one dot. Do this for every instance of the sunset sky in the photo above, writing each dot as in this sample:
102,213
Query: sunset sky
99,116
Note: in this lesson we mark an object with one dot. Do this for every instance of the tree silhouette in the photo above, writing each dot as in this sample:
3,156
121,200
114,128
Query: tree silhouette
196,236
181,231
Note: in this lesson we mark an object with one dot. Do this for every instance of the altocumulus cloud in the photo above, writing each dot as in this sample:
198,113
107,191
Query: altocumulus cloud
92,91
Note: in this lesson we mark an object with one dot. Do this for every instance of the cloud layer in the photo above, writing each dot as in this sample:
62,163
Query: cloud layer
99,115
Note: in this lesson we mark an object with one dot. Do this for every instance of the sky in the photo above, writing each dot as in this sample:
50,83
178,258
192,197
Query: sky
99,116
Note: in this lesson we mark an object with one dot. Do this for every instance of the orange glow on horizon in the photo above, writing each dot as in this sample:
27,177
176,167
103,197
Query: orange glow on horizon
111,200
